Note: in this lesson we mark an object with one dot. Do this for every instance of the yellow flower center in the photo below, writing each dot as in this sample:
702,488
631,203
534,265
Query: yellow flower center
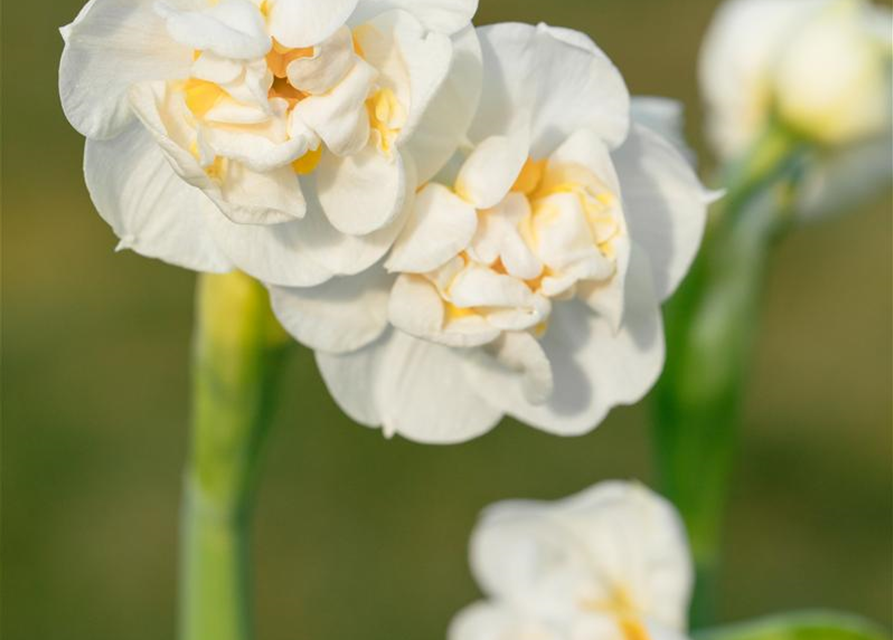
621,606
386,114
386,117
202,96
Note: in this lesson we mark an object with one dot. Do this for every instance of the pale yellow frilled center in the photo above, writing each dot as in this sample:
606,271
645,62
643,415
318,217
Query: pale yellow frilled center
620,605
385,112
538,181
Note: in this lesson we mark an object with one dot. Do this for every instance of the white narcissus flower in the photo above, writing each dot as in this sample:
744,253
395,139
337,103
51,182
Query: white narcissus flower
821,68
529,277
284,138
611,563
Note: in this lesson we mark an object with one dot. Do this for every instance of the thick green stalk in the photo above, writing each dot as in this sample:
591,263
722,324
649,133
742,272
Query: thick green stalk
710,327
238,349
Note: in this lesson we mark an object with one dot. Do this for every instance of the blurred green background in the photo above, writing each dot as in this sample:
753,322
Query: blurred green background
357,537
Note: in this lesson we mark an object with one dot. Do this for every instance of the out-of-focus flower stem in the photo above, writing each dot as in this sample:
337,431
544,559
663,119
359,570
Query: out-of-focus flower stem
710,327
238,352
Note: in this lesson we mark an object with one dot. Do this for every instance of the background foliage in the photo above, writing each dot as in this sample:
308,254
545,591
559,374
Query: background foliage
357,537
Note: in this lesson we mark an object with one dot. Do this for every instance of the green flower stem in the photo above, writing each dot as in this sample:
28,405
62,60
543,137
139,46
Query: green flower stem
238,349
710,327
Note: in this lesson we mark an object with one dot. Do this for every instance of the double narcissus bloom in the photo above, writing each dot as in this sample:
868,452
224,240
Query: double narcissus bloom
463,224
529,276
284,138
611,563
819,68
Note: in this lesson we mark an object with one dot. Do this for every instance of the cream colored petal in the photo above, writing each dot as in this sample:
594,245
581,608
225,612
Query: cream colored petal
450,111
492,168
112,45
415,306
443,16
362,193
561,231
243,195
330,63
410,387
563,86
304,23
350,378
341,315
423,394
636,539
440,227
478,286
520,354
271,253
150,208
595,367
664,203
229,28
339,117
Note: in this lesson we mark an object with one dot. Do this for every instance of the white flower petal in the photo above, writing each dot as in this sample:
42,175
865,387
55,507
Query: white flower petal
412,387
217,69
261,197
330,63
594,367
477,286
519,354
444,16
339,117
665,205
271,253
563,86
498,238
362,193
441,225
636,539
304,23
451,109
338,316
244,196
258,152
151,209
520,555
426,59
112,45
613,539
562,232
492,168
344,254
351,377
229,28
666,118
423,394
608,299
415,306
585,148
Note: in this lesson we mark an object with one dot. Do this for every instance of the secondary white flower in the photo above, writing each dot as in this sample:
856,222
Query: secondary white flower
528,279
611,563
822,68
281,137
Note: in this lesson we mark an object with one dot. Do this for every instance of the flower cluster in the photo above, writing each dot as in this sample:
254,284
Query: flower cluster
462,223
611,563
